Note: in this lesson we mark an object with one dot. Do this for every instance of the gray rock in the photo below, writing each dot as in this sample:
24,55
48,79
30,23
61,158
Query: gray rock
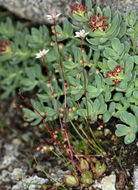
122,5
32,181
16,142
136,177
17,174
36,10
5,177
7,161
107,183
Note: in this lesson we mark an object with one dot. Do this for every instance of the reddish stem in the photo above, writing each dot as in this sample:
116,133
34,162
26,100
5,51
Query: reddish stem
86,101
65,95
52,92
50,132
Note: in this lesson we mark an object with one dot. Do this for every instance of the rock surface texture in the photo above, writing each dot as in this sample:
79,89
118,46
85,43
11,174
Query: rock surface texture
36,10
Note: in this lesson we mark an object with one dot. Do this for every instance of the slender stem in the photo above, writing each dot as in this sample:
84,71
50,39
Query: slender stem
52,92
50,132
65,96
86,101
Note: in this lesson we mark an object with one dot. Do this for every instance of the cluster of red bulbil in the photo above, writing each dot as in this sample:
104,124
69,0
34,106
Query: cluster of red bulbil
3,46
79,9
114,75
96,22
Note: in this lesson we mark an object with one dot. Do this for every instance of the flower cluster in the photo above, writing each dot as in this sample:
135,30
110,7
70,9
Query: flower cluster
3,47
96,22
115,74
79,9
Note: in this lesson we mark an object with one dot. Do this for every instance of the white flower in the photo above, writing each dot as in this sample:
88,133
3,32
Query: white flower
53,16
81,34
42,53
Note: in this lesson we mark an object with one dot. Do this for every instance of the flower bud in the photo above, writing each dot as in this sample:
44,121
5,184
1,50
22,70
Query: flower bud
97,71
73,109
71,181
53,31
60,46
69,114
56,70
59,35
53,79
62,109
61,115
87,178
48,85
100,117
84,165
52,43
69,58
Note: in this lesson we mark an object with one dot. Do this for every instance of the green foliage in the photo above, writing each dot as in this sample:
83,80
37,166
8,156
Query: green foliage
129,130
103,51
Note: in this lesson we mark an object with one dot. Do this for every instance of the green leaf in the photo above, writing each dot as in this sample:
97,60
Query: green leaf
119,107
106,116
78,18
98,81
107,13
117,96
67,27
50,112
77,53
136,59
134,129
98,10
103,108
78,96
37,120
132,18
82,112
129,138
112,107
72,80
122,130
93,41
70,65
135,94
122,31
107,95
114,24
27,82
117,46
96,56
88,3
92,91
111,64
110,54
29,114
43,97
129,64
126,17
128,118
